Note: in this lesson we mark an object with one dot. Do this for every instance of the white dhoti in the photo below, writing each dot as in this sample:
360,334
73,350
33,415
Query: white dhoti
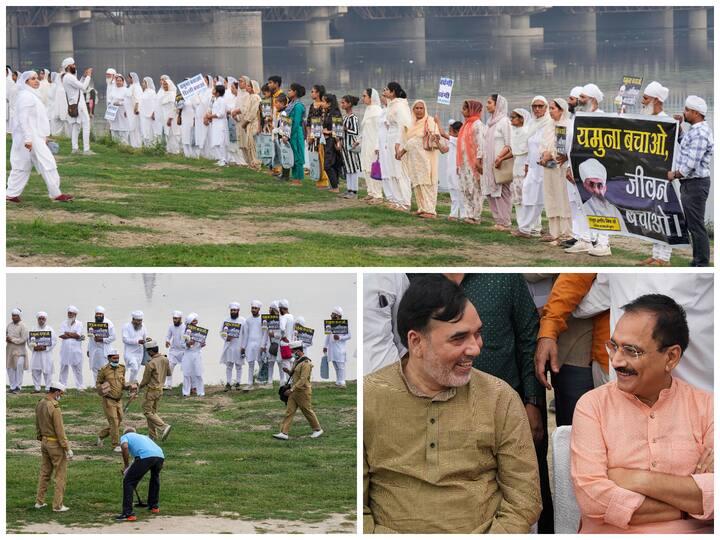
15,374
23,160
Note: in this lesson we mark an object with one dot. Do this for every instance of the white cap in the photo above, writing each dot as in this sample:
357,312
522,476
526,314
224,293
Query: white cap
297,345
284,303
113,352
41,314
16,311
696,103
58,385
190,318
234,305
576,91
100,309
593,91
137,314
657,90
256,304
72,309
177,313
592,168
110,71
67,62
338,310
300,320
274,305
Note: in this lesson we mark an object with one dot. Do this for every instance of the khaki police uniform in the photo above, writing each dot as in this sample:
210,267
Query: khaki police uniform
112,402
301,396
53,445
153,378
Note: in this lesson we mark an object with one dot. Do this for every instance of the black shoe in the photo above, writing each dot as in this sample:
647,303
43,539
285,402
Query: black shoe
227,387
237,386
568,243
126,517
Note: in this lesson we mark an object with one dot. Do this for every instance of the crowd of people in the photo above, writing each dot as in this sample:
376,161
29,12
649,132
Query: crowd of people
499,154
456,434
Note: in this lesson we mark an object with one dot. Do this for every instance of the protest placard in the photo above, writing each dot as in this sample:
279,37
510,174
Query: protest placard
192,86
445,91
336,326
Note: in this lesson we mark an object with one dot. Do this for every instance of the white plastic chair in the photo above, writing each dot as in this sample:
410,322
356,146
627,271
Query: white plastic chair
567,512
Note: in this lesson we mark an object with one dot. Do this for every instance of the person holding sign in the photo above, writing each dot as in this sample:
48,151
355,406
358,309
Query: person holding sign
469,159
72,334
30,131
232,355
101,334
398,119
192,359
333,158
42,340
303,333
335,345
271,339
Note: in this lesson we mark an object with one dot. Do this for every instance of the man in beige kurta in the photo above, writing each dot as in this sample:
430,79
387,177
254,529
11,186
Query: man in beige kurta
447,448
16,337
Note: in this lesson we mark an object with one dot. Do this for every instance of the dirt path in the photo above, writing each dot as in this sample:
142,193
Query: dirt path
199,524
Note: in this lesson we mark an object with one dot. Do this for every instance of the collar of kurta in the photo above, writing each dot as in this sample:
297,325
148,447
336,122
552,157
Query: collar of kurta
445,395
665,394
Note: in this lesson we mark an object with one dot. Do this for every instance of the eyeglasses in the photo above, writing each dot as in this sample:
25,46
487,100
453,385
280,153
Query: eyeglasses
541,106
613,348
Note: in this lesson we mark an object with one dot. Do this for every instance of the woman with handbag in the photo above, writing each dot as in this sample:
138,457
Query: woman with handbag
369,145
419,153
350,146
497,164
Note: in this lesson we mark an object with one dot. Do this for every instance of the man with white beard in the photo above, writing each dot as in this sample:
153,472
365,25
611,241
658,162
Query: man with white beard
252,336
74,90
110,74
98,346
16,337
270,337
335,346
306,346
192,361
287,333
232,347
134,336
175,344
30,132
653,100
41,362
72,334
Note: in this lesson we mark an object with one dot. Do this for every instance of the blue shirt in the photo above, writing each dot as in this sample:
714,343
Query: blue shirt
141,446
696,151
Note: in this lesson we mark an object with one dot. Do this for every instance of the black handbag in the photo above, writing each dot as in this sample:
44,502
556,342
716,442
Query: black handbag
281,392
273,349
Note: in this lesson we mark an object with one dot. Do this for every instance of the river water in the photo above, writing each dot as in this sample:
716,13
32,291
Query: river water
312,296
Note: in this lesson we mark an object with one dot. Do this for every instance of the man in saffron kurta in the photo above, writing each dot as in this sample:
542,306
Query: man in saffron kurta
642,446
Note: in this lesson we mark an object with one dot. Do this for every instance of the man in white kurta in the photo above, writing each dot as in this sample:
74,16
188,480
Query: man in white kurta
98,346
335,348
30,130
41,361
287,333
252,336
133,336
175,345
232,355
16,337
75,91
72,334
306,344
192,361
270,337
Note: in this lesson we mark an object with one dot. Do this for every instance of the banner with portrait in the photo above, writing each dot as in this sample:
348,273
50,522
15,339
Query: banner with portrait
621,165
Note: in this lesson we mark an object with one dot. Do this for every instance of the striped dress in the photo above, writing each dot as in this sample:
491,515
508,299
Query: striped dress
350,135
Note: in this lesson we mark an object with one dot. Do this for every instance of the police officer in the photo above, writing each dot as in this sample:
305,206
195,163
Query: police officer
156,370
110,384
54,446
299,394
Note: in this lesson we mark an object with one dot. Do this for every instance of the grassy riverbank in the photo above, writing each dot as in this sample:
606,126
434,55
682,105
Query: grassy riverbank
144,208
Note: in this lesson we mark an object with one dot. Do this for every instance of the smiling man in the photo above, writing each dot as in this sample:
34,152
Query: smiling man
447,448
642,446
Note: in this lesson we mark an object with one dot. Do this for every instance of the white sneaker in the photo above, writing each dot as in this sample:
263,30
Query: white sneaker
282,436
600,251
88,153
581,246
75,151
117,449
165,432
221,164
39,506
316,434
63,508
99,442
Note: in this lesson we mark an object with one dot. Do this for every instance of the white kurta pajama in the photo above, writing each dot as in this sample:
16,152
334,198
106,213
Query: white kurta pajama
57,112
134,351
74,93
252,336
169,112
287,330
176,350
98,351
187,130
148,113
218,133
336,353
192,369
31,125
530,216
16,353
457,203
71,352
134,134
41,362
398,119
231,354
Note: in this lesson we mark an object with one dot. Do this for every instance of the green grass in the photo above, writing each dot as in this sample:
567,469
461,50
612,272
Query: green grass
129,202
220,458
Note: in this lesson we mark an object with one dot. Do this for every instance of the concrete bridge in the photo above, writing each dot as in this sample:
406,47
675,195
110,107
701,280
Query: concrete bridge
62,30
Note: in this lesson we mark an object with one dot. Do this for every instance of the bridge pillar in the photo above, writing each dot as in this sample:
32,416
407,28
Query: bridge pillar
559,20
61,43
697,19
352,27
662,17
317,29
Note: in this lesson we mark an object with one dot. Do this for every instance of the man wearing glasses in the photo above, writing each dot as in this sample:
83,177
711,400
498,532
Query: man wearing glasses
642,445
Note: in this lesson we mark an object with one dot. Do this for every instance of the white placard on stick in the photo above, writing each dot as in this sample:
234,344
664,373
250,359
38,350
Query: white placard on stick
445,91
111,112
192,86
